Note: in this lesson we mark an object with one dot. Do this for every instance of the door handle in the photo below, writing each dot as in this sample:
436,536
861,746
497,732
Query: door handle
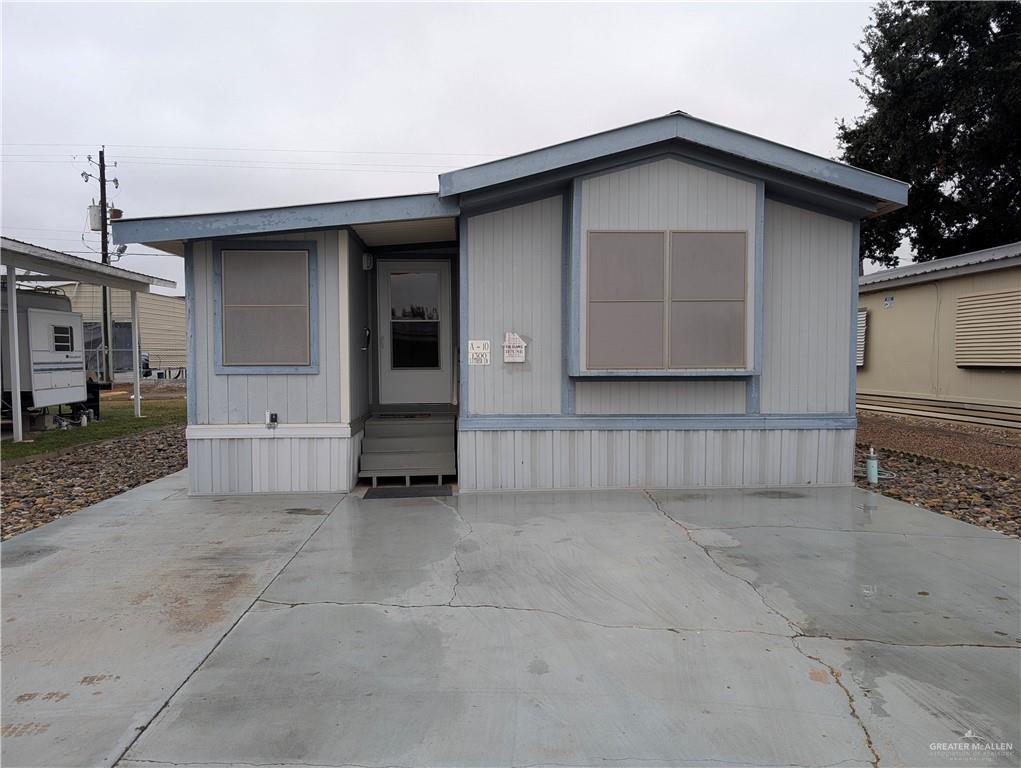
368,338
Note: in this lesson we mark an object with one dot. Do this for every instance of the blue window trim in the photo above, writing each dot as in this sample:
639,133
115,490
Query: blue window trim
573,342
313,306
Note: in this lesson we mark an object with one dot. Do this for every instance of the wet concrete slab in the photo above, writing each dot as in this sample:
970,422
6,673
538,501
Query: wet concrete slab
107,611
785,627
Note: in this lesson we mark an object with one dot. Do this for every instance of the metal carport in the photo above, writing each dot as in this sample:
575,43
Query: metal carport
42,264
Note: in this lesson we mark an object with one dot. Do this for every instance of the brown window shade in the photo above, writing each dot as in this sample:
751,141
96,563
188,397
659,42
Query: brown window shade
987,331
707,334
666,300
265,305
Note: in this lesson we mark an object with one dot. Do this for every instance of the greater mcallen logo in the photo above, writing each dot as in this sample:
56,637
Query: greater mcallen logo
971,744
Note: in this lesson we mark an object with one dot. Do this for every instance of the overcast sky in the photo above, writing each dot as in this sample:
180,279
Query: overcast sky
211,107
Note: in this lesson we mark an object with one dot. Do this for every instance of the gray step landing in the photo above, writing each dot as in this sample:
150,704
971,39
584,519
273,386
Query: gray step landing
409,445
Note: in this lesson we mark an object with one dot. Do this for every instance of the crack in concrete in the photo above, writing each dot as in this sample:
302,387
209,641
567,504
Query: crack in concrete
461,538
666,760
797,630
144,727
836,675
549,612
902,645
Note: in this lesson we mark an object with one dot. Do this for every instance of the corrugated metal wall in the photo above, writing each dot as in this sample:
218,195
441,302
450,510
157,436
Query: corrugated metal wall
161,320
807,289
508,460
514,267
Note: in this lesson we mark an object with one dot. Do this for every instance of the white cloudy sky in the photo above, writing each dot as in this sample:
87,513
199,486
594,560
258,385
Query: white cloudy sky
214,107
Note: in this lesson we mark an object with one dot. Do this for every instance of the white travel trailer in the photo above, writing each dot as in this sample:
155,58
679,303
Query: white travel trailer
51,350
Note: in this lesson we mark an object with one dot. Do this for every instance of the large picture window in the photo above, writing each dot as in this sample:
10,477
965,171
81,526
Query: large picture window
266,307
667,301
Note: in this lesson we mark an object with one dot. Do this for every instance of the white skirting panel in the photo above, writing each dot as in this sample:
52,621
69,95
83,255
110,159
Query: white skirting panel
273,464
546,459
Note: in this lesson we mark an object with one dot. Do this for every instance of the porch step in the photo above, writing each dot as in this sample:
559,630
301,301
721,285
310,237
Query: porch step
413,426
408,445
409,463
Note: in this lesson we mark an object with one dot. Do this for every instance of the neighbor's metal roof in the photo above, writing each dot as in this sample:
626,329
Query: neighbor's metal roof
1000,257
44,262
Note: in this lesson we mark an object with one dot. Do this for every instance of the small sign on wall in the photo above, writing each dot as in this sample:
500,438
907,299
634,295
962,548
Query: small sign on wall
478,352
513,348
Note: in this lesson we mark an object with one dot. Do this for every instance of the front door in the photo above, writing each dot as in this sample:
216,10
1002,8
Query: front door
415,339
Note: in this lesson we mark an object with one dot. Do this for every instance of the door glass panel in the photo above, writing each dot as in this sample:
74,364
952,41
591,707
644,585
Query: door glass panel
415,344
415,296
414,320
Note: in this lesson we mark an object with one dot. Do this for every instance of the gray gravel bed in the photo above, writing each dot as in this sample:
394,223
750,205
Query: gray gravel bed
41,489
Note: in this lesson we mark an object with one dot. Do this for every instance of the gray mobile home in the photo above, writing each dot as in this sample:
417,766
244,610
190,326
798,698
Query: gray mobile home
668,304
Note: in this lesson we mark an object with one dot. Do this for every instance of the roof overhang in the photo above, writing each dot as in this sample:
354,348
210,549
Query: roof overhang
884,194
988,260
44,264
168,233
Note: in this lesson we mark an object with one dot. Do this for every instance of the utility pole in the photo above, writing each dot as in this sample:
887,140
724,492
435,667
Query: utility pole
104,215
105,250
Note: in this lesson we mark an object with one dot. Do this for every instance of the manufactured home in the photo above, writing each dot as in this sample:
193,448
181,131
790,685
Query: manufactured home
943,338
668,304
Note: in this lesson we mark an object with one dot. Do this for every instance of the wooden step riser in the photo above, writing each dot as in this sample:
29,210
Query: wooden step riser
407,429
409,463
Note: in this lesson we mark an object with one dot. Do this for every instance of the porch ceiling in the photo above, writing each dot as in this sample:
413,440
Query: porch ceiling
407,232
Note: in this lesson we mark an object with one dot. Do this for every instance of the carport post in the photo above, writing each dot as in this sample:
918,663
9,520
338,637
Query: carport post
135,356
12,326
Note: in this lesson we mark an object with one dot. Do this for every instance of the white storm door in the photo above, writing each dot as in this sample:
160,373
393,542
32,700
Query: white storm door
415,349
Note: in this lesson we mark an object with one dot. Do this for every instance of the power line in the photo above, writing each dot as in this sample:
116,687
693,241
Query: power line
241,167
262,149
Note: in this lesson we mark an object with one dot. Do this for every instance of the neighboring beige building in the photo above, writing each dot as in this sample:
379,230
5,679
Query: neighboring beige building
161,320
943,338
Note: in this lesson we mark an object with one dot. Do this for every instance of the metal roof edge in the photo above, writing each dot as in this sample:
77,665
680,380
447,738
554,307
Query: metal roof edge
22,250
986,260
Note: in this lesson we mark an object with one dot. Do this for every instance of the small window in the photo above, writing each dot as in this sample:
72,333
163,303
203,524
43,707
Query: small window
62,337
265,308
666,300
863,328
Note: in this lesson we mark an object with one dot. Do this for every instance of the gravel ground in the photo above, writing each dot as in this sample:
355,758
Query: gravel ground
41,489
968,472
988,447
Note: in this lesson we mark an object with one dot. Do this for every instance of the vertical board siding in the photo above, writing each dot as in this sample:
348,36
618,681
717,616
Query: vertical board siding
273,465
806,311
514,266
666,194
715,458
244,398
660,397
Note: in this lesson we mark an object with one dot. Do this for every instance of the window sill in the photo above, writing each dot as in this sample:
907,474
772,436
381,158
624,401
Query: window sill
266,370
687,373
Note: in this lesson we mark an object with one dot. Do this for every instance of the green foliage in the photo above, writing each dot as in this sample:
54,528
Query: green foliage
118,420
942,87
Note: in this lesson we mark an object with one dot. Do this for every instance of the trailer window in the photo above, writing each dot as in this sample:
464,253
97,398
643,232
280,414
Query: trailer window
62,337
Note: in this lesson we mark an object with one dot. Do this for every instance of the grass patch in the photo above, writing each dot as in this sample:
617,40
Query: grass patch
118,420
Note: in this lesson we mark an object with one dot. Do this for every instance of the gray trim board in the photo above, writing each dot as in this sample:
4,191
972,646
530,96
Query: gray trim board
753,384
852,371
462,312
688,129
190,381
287,219
567,386
653,422
313,307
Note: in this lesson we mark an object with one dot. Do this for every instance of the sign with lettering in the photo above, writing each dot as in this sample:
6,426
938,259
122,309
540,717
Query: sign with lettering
513,348
478,352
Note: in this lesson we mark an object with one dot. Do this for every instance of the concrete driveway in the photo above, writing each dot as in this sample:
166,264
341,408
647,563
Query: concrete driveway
776,628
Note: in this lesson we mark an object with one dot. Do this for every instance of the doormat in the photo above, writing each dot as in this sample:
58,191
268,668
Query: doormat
408,492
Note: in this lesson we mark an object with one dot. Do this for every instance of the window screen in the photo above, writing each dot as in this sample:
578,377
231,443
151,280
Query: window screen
659,300
63,338
265,306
